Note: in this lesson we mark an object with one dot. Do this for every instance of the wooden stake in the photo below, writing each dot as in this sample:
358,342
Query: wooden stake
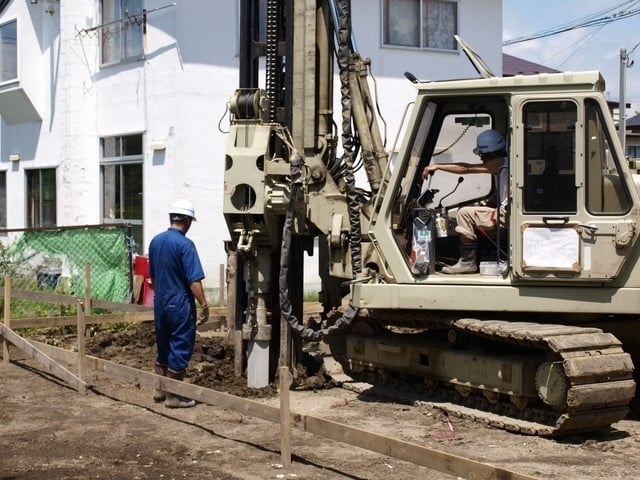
7,317
81,344
285,415
234,324
221,300
87,287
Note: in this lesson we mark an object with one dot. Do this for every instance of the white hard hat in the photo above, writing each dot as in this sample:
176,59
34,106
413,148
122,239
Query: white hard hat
183,207
489,141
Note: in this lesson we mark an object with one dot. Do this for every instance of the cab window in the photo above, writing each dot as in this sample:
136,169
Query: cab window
549,155
606,192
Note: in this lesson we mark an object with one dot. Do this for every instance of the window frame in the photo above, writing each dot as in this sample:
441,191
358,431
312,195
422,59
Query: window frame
122,158
550,171
633,151
36,219
14,52
422,39
595,177
123,28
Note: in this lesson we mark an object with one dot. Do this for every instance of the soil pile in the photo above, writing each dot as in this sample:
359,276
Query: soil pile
212,364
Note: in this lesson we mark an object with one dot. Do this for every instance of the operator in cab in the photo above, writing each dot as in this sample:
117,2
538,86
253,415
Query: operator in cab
490,146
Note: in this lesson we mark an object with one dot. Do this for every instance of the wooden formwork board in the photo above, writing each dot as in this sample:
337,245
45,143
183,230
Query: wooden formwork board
215,320
39,355
60,299
46,322
402,450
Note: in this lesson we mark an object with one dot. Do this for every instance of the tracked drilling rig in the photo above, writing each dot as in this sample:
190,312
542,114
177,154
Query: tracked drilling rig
541,339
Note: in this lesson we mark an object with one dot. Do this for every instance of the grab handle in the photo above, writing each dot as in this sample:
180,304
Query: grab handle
555,220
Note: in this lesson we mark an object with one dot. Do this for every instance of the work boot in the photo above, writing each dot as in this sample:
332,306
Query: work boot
176,401
159,395
467,262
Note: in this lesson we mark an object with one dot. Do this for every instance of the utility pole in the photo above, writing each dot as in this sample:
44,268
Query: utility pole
625,62
622,124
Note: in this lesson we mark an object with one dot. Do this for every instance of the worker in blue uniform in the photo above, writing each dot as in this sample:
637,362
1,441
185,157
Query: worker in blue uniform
176,277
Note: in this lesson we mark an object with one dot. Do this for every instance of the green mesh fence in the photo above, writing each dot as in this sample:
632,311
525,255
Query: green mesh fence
55,260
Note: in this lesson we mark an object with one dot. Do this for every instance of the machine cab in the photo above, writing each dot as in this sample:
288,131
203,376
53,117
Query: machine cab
570,215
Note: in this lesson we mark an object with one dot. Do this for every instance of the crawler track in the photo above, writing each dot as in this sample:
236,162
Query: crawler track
584,380
593,382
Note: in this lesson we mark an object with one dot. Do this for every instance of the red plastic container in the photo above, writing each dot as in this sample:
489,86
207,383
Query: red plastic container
141,268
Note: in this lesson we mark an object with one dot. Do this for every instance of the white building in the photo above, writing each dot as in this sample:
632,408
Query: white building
110,117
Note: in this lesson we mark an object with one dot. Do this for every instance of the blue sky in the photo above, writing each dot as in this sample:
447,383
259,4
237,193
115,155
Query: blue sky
592,48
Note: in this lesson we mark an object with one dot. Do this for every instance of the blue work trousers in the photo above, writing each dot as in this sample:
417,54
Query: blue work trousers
175,323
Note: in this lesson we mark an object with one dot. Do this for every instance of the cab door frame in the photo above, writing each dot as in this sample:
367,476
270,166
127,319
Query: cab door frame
560,232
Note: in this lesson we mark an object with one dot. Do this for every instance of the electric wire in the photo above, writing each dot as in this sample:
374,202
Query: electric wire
601,18
581,42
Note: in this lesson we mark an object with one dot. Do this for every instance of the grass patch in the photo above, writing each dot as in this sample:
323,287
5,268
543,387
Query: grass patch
310,296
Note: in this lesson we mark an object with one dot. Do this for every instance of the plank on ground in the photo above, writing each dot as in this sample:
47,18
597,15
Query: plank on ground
418,454
37,354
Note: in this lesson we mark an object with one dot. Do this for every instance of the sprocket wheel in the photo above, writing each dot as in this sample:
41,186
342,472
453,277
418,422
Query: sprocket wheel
551,384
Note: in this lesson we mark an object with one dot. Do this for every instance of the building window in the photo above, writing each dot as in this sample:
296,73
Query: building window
121,169
8,52
633,151
41,198
122,30
420,23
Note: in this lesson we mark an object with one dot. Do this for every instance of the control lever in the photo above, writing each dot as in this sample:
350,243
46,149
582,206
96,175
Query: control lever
460,180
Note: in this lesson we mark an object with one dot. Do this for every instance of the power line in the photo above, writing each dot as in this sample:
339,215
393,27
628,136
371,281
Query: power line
581,44
601,18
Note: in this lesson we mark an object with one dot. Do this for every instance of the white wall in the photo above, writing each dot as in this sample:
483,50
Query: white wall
78,176
178,95
37,137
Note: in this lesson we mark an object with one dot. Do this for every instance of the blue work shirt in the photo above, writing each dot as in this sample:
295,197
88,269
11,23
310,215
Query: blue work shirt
174,264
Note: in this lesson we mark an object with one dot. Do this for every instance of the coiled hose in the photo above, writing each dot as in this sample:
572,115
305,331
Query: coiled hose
286,309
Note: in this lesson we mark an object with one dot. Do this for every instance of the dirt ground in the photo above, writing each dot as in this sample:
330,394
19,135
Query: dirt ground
116,431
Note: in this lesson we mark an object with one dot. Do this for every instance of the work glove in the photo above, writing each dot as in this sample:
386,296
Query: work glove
203,315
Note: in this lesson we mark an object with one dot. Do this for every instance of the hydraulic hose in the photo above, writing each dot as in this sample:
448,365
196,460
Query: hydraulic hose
344,64
285,257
